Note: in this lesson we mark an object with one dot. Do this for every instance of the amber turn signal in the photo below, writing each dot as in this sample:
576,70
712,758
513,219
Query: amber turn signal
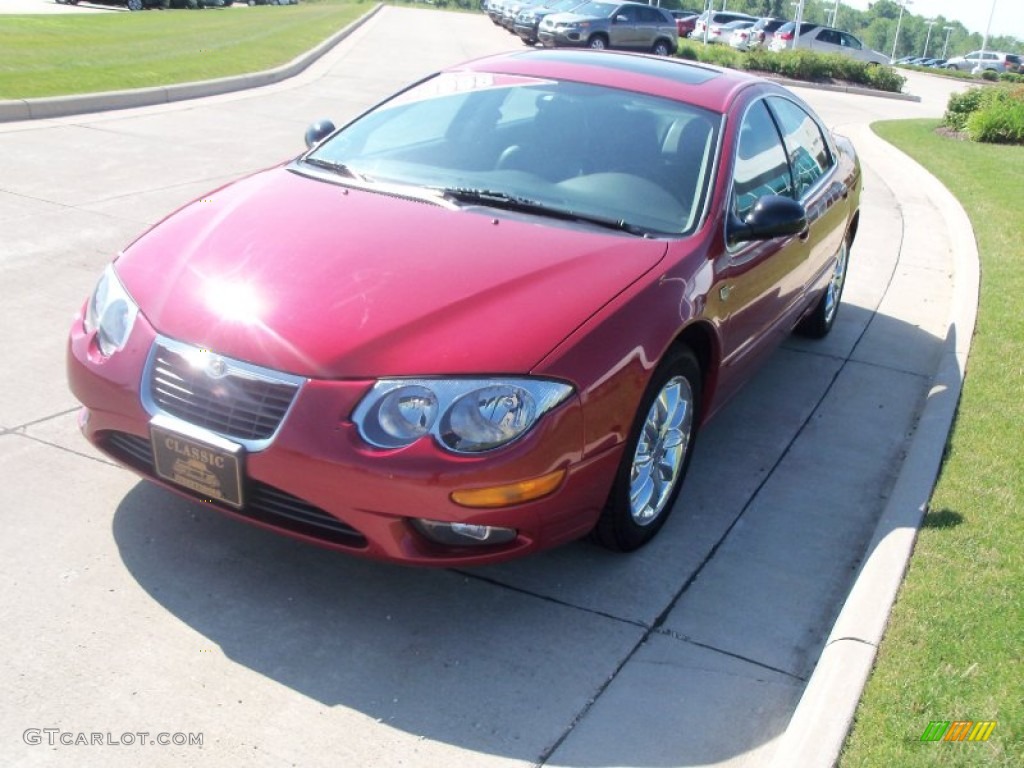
508,495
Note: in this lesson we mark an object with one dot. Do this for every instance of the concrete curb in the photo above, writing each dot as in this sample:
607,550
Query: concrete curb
63,106
856,89
822,719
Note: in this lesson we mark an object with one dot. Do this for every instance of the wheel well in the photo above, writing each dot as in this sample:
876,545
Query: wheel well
852,232
701,339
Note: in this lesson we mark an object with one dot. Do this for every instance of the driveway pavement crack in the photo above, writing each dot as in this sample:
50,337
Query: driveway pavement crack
738,657
549,599
43,419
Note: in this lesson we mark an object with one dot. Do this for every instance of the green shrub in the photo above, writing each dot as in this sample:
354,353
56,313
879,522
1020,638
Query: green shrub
988,114
885,79
800,64
687,51
1000,122
988,74
722,56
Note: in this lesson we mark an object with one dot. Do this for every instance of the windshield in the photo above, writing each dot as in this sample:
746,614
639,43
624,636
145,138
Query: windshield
597,10
599,152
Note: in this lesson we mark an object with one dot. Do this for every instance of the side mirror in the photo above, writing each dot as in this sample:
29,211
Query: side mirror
620,19
771,216
317,132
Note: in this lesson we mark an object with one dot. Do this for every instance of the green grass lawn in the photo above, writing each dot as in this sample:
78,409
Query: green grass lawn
59,54
954,649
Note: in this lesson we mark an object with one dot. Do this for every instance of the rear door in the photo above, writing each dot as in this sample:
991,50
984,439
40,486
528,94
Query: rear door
813,162
762,288
651,25
826,41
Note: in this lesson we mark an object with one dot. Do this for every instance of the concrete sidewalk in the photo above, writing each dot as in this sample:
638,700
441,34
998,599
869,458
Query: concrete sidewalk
132,610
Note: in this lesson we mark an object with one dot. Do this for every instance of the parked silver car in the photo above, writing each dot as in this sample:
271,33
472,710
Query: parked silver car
822,39
992,61
718,19
528,21
599,24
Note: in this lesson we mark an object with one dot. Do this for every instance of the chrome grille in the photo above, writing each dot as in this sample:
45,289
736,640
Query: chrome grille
231,398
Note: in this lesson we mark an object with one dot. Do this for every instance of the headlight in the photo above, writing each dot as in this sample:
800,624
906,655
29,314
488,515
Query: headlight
462,415
110,313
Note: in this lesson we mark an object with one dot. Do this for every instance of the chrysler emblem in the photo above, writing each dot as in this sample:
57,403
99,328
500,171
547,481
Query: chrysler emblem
216,367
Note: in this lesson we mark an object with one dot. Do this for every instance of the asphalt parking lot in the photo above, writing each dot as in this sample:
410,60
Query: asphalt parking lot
129,610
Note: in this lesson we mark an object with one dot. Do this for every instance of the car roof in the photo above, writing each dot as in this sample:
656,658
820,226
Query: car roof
703,85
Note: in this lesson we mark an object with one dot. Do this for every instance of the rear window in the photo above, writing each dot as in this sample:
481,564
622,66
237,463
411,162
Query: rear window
726,18
789,27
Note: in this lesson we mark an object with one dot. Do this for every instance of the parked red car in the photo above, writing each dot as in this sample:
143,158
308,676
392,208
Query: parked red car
685,22
486,317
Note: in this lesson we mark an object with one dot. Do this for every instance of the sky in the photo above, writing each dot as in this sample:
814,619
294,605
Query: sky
1008,18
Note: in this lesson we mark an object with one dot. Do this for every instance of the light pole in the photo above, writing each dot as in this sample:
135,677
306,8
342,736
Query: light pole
835,12
946,44
927,38
984,40
798,21
899,22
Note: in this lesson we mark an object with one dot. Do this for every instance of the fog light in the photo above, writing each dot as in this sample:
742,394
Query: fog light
463,534
508,495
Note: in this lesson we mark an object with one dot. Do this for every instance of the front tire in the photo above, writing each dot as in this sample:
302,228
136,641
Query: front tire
818,324
656,456
134,5
598,43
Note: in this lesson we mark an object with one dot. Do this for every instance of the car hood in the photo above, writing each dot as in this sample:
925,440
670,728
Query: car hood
568,17
322,280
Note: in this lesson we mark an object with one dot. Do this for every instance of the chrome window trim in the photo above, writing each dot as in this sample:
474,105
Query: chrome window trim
811,190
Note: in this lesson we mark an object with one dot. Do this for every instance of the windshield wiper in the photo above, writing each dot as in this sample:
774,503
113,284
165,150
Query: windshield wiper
505,201
339,168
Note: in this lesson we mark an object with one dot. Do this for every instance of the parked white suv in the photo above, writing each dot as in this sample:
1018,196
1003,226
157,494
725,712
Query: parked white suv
825,40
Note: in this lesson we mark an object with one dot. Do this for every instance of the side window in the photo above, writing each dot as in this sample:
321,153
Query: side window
849,41
828,36
629,11
761,167
650,16
806,147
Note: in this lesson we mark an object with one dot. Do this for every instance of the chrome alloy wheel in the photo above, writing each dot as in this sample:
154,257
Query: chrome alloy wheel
660,451
835,287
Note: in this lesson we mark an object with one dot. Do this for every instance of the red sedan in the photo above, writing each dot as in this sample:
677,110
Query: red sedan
486,317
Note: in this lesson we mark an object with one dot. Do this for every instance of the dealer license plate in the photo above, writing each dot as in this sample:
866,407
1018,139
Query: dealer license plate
211,469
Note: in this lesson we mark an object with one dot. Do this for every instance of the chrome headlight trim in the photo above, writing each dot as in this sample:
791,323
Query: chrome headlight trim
110,313
468,415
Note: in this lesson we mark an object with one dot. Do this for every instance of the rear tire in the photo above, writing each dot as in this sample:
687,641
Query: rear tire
661,48
656,456
818,324
134,5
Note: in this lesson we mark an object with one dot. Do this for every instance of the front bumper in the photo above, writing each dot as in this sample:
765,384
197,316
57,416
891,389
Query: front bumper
527,32
559,39
318,481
